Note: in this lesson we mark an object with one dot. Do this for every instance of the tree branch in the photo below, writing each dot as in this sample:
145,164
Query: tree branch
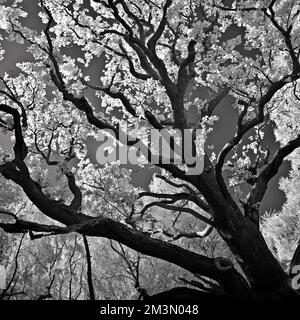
259,188
89,268
244,128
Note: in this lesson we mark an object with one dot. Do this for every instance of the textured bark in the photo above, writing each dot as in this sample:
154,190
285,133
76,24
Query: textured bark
266,276
108,228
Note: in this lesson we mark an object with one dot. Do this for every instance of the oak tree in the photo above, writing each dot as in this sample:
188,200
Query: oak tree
151,64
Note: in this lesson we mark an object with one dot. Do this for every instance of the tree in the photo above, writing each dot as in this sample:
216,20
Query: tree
164,65
281,229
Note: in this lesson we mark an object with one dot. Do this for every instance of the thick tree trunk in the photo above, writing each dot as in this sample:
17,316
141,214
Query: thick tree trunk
265,275
263,271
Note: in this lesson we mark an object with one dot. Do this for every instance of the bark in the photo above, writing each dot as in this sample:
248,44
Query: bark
108,228
266,276
183,294
89,268
296,258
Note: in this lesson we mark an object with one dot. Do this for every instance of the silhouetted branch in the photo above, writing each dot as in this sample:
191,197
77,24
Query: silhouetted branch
89,268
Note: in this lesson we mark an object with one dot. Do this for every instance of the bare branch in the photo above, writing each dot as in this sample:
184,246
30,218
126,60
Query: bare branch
182,234
89,268
244,128
259,188
3,294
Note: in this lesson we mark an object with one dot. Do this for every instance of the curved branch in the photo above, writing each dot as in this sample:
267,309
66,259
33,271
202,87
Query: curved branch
141,242
77,199
167,205
160,29
244,128
177,197
182,234
261,182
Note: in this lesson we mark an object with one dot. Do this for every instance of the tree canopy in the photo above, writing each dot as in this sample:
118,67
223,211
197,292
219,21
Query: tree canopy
74,229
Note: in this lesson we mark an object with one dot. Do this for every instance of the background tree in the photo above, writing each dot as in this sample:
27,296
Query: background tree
165,65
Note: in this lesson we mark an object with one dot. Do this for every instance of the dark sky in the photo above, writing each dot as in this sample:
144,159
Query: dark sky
223,131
